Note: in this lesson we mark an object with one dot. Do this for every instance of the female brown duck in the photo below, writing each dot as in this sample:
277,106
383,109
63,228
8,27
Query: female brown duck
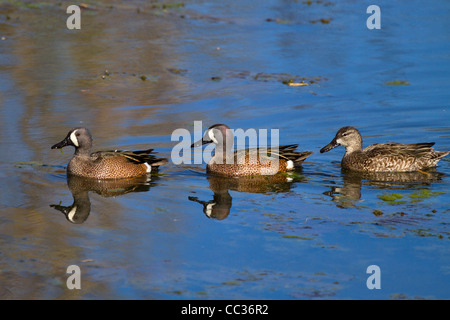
382,157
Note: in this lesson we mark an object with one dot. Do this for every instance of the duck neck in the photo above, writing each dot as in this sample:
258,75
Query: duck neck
82,152
223,153
353,148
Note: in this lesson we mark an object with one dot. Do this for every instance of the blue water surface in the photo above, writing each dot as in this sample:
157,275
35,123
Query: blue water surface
136,72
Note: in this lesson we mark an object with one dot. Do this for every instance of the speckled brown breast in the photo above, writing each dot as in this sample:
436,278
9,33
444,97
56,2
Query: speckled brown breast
105,167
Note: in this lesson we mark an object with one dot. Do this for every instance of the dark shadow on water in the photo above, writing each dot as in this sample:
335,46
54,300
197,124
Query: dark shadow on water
80,187
220,206
349,193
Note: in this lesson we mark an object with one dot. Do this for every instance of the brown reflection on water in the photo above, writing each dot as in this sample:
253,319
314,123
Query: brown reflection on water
52,80
80,187
118,59
34,262
349,194
220,206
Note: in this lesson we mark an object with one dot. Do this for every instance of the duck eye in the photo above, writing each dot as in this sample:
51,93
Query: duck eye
77,134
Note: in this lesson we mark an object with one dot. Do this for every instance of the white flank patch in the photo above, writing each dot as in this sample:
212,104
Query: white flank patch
72,213
290,165
211,136
74,139
149,167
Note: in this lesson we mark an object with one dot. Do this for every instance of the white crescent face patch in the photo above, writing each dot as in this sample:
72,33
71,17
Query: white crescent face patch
209,209
74,139
71,214
211,136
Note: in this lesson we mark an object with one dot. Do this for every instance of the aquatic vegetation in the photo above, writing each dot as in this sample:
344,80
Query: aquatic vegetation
425,194
231,283
279,21
164,5
397,83
283,77
297,237
422,232
291,83
20,164
323,21
294,175
392,198
108,74
378,213
325,3
402,296
177,71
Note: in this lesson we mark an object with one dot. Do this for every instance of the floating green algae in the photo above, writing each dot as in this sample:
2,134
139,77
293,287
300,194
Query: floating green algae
397,83
393,198
297,237
293,175
390,196
425,194
30,163
377,213
323,21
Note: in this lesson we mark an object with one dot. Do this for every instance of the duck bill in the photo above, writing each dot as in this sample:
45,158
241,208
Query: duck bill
199,143
62,144
333,144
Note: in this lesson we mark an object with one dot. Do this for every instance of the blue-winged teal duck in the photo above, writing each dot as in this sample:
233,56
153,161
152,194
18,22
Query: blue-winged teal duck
383,157
253,161
114,164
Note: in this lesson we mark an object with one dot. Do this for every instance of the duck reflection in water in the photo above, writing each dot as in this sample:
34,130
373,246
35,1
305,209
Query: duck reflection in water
80,187
219,207
349,194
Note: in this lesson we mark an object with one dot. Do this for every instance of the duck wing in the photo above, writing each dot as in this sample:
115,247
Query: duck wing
136,156
287,152
397,149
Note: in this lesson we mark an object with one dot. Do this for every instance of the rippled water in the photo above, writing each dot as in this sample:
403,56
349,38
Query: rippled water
136,71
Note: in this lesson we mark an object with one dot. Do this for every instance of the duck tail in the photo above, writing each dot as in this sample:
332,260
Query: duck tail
289,152
438,155
301,157
144,156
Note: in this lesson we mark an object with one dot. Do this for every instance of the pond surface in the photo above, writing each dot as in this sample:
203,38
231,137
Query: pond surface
138,70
